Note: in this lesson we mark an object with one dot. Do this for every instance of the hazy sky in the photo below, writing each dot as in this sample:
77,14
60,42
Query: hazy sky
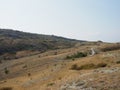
78,19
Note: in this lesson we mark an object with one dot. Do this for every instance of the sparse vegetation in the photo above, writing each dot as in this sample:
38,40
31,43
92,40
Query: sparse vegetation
77,55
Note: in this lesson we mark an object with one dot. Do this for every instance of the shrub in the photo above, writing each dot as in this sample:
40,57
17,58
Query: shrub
73,59
101,65
6,71
50,84
77,55
88,66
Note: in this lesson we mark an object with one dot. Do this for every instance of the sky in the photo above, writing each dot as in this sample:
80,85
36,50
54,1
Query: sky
78,19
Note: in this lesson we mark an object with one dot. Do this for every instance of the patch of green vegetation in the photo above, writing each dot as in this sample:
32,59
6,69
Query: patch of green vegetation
77,55
88,66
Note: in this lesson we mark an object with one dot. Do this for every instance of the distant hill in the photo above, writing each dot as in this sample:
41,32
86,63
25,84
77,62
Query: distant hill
12,41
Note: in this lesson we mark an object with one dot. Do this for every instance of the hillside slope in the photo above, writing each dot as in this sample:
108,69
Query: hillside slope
50,71
12,41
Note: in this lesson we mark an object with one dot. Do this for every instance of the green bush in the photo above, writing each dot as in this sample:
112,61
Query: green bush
77,55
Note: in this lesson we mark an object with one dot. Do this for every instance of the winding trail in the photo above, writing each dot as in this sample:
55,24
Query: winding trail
92,52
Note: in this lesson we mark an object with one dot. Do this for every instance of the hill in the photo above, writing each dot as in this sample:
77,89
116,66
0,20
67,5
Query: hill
65,64
12,41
